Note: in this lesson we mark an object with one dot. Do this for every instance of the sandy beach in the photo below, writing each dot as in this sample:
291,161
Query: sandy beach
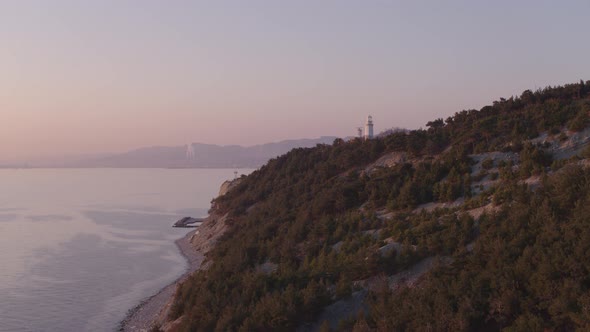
142,317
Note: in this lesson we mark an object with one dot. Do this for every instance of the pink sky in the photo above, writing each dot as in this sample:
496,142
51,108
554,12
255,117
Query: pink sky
88,77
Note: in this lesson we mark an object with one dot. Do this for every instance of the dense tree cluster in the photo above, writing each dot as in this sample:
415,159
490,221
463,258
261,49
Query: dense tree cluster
316,214
529,270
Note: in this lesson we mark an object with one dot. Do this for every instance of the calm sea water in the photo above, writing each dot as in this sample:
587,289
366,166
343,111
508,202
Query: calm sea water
80,247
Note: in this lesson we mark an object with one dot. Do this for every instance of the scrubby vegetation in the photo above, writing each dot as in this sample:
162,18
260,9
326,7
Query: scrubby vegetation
322,215
529,269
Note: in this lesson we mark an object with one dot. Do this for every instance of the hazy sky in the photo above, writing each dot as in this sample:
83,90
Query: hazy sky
97,76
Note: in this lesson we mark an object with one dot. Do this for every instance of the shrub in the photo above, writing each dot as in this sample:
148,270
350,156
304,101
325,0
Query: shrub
487,164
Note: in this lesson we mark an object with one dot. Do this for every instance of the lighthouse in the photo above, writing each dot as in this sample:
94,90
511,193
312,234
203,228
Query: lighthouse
369,128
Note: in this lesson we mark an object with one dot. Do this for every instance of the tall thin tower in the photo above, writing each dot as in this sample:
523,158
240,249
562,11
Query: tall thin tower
190,152
369,128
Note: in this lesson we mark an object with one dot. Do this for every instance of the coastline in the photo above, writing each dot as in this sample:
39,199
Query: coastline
142,317
193,246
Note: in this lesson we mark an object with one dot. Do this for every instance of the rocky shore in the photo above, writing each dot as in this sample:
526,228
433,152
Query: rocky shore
153,310
193,246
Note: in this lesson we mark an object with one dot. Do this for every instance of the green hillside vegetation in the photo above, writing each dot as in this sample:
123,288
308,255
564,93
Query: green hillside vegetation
321,214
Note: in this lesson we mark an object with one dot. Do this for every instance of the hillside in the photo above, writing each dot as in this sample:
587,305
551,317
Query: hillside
479,222
205,156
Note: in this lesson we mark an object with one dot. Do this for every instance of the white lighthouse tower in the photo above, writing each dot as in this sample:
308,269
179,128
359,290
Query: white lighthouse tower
369,128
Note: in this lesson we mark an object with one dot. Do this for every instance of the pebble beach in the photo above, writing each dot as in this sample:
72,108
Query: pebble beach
142,318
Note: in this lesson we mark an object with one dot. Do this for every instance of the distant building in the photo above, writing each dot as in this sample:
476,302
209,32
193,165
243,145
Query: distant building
190,152
369,128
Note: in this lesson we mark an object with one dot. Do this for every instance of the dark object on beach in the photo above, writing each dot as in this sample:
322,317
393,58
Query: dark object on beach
188,222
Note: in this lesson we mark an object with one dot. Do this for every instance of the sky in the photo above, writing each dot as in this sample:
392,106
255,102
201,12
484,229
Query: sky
112,75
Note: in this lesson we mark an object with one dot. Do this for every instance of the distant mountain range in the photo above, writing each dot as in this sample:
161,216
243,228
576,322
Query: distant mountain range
205,156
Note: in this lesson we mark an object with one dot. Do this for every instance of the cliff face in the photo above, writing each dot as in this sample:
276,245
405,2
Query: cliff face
215,225
206,235
195,246
228,185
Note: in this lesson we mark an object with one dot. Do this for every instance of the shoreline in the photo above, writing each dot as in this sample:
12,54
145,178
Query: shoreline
142,317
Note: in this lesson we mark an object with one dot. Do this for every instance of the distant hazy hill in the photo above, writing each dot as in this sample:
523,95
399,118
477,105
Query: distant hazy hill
205,155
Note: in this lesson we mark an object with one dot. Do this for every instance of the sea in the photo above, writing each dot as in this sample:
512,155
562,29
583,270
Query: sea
79,248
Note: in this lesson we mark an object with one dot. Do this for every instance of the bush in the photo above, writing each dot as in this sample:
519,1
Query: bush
562,137
487,164
554,130
580,122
